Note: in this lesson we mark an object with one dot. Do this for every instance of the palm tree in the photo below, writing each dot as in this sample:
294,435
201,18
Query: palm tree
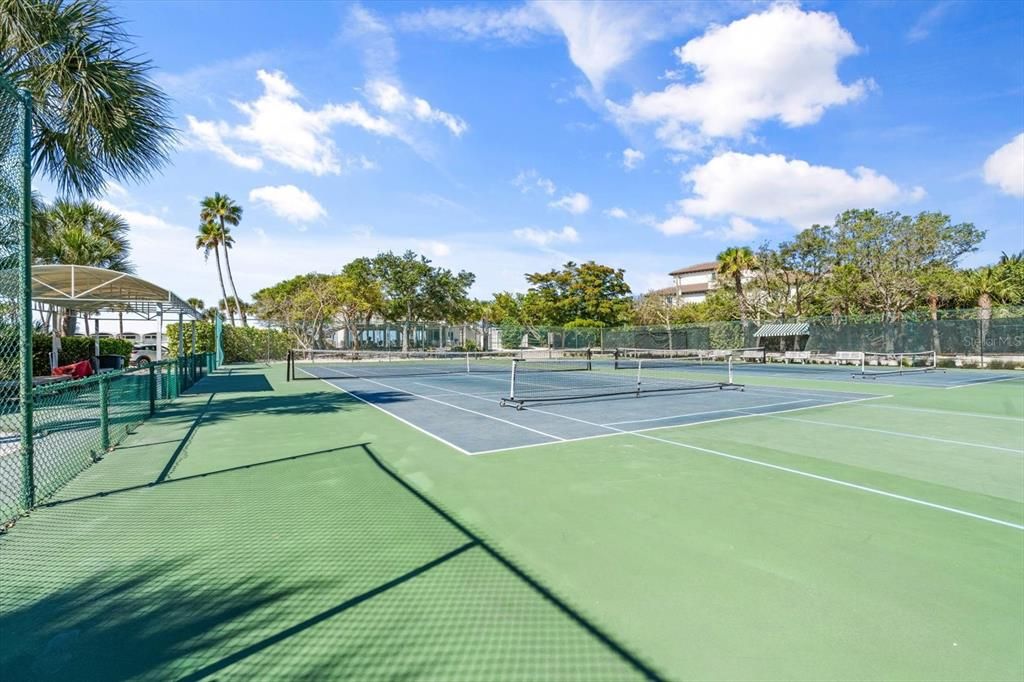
82,233
196,303
985,285
209,239
223,209
733,264
96,114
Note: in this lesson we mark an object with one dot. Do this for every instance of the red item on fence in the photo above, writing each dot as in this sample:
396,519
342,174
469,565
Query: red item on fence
77,370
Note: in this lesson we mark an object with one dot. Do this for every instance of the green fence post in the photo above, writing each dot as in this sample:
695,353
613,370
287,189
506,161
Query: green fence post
28,486
104,413
152,390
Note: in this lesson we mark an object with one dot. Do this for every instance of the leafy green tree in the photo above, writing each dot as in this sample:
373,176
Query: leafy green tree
578,293
891,250
939,283
211,238
305,306
506,306
222,210
359,295
414,290
96,114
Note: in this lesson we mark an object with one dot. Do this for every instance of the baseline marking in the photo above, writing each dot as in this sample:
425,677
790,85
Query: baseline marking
807,474
948,413
979,382
391,414
694,414
896,433
464,409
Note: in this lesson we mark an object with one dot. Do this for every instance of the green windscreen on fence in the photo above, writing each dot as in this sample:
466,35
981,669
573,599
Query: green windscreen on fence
15,338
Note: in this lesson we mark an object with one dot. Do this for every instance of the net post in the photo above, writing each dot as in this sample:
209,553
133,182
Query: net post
728,364
512,386
289,359
639,369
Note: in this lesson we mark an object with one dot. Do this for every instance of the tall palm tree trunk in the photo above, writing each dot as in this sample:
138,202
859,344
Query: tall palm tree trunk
231,279
223,291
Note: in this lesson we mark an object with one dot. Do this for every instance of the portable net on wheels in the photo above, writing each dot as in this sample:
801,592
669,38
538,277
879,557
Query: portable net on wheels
885,364
632,372
350,364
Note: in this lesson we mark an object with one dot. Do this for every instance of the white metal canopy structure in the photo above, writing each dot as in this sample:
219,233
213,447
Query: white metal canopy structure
89,289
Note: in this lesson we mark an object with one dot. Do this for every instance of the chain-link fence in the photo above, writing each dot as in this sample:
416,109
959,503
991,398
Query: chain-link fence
974,332
76,422
15,322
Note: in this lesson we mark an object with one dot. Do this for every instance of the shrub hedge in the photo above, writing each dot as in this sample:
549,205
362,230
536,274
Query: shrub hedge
241,344
73,349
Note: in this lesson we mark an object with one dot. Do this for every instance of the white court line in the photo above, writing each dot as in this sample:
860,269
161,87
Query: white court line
391,414
836,481
695,414
799,472
949,413
981,382
895,433
457,407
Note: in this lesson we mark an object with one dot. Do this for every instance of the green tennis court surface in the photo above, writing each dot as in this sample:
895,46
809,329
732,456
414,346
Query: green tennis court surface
803,528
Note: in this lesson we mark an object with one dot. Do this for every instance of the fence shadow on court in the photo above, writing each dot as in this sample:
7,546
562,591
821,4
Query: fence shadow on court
320,565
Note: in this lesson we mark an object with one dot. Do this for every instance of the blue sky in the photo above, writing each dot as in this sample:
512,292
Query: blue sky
508,138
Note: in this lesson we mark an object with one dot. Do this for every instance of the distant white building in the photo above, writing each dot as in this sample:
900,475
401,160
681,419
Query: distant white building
693,283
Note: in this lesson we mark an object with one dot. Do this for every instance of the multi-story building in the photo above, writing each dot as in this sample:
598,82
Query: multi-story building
693,283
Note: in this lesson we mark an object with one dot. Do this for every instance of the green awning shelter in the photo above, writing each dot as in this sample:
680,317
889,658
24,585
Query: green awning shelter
783,329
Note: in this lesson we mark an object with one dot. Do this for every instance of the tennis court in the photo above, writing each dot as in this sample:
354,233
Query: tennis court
571,399
794,529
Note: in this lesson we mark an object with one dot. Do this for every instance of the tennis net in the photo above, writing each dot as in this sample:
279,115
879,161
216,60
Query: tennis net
633,372
349,364
882,364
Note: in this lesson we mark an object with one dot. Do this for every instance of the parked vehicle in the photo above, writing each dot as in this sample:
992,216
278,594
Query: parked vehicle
145,353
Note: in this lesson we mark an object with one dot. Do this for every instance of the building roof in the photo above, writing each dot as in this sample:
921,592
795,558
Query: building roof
698,288
710,266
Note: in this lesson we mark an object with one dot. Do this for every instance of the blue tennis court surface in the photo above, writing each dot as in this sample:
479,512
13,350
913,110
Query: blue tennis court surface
463,410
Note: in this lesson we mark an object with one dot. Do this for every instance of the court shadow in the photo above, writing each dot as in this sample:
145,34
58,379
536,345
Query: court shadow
318,567
232,383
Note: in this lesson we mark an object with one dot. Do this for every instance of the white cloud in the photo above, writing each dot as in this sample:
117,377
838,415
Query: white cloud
576,203
928,20
567,234
631,158
210,135
602,35
738,230
388,97
281,129
1005,167
434,248
777,64
514,25
617,213
289,202
384,88
677,224
531,179
771,187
